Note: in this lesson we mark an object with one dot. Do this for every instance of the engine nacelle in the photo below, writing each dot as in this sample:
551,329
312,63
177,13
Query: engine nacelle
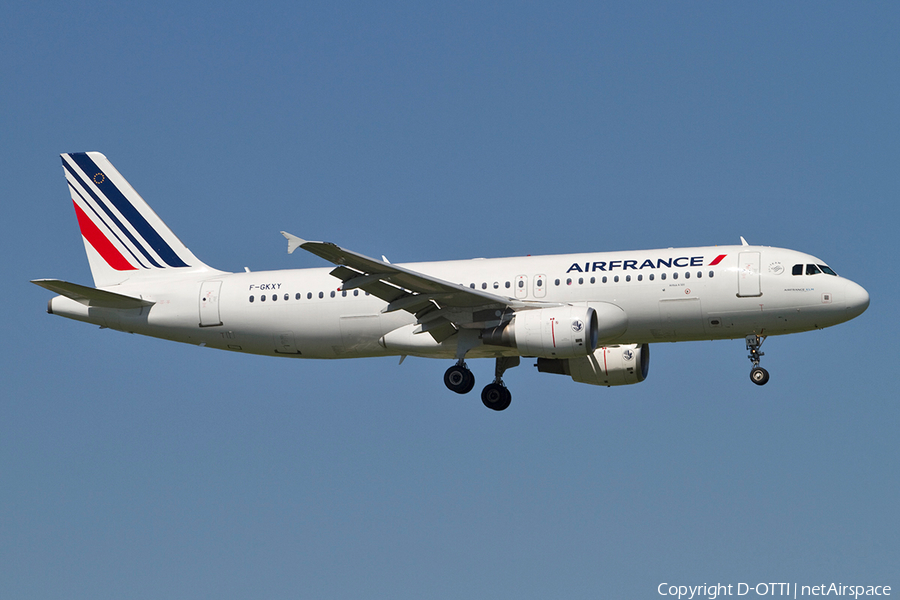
558,332
609,365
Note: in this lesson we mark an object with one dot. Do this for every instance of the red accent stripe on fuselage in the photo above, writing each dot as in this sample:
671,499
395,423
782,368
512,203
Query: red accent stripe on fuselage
100,243
717,260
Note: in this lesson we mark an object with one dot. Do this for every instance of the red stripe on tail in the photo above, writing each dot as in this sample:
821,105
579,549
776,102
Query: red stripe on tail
100,243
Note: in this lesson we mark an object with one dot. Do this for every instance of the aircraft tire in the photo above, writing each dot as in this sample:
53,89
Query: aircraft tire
759,376
459,379
470,383
496,397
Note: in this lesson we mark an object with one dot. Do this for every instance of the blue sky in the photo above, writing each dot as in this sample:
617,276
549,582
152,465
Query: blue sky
138,468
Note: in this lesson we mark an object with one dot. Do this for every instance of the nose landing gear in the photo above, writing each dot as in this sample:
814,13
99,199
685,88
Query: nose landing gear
758,375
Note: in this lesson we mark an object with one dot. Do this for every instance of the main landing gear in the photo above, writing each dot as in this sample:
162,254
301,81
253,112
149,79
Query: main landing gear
459,378
758,375
495,395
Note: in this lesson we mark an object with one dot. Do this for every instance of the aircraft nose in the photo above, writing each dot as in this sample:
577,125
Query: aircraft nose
857,299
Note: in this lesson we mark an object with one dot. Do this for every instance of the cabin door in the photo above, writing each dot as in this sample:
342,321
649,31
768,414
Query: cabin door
209,303
748,275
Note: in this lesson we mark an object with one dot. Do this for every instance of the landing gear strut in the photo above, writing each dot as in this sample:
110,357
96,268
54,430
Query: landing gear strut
459,378
758,375
495,395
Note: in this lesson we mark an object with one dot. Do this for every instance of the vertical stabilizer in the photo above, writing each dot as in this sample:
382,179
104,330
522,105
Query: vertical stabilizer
123,237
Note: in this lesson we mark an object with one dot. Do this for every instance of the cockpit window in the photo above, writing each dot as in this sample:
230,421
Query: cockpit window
812,270
827,270
797,270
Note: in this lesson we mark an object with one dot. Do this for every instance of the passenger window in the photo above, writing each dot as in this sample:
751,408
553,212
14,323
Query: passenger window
797,270
309,295
628,278
496,285
262,298
593,280
712,273
522,284
484,285
687,275
251,298
605,279
507,285
472,285
356,292
540,283
332,294
344,293
556,282
674,275
274,297
321,295
580,280
812,270
569,281
298,296
651,276
287,297
699,274
616,279
663,276
640,277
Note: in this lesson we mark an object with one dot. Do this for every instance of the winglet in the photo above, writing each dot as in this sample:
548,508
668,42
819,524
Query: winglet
744,242
293,241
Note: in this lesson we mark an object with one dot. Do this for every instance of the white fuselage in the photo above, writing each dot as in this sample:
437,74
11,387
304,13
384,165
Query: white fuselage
681,294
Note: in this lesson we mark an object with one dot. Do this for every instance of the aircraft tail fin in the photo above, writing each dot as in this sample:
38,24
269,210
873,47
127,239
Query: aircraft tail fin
123,237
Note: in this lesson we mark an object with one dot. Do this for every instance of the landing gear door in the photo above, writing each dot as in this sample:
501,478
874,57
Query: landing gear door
748,275
209,303
521,286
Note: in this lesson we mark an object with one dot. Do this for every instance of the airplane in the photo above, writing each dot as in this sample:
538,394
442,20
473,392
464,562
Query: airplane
589,316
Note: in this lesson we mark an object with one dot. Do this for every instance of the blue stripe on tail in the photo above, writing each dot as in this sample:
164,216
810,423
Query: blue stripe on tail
127,210
109,213
100,218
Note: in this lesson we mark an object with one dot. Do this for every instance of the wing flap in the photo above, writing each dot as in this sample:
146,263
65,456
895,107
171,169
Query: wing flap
368,283
439,332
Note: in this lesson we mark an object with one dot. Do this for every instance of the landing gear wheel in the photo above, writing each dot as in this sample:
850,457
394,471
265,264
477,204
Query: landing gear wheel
496,397
759,376
459,379
470,382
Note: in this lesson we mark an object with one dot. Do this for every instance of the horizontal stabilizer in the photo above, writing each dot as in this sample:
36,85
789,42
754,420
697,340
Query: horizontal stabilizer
91,296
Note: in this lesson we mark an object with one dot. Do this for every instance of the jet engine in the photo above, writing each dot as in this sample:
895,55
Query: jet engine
608,365
558,332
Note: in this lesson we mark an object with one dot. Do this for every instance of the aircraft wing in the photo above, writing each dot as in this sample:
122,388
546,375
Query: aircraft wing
441,307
